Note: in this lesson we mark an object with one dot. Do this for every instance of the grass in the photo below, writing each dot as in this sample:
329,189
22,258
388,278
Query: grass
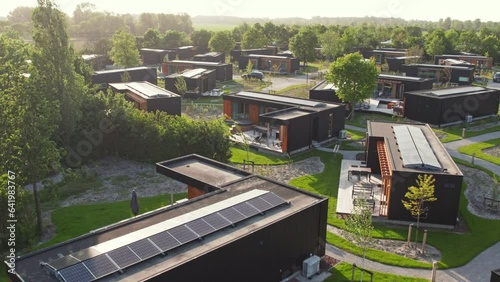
240,154
477,149
342,272
299,90
360,119
454,133
77,220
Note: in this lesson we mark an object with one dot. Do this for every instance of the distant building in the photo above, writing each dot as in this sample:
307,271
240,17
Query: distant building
149,97
395,64
102,78
198,81
270,63
394,86
98,62
237,53
327,92
223,72
380,55
441,107
184,52
299,122
156,56
214,57
236,227
441,74
481,62
399,152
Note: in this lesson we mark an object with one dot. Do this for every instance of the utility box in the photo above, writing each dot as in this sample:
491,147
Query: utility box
310,266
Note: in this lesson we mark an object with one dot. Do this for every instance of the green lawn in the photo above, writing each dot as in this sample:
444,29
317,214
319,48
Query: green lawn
77,220
454,133
477,149
342,272
299,91
360,119
239,154
349,145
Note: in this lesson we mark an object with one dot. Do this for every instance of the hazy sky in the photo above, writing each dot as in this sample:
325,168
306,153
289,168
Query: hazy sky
486,10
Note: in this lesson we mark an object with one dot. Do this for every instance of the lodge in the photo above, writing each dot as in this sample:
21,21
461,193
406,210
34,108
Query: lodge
278,64
214,57
102,78
441,74
223,72
198,81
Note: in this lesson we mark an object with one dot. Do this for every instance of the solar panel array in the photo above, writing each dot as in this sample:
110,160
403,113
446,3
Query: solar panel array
71,269
415,150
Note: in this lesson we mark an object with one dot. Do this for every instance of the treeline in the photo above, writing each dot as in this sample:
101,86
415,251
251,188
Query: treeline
52,118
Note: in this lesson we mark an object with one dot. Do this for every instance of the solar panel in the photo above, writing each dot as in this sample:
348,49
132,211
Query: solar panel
182,234
232,215
200,227
414,148
216,221
246,209
164,241
100,266
76,273
260,204
124,257
273,199
429,160
144,249
63,262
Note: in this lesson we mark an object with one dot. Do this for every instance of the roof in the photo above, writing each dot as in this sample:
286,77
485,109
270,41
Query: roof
280,99
439,66
157,50
407,157
325,86
88,57
388,51
456,62
452,92
402,77
469,55
229,195
209,54
200,63
402,57
122,70
144,89
192,73
286,114
268,56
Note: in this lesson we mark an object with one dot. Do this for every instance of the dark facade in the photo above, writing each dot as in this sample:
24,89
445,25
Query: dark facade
237,53
383,149
274,242
198,81
325,91
481,62
149,97
269,63
115,76
214,57
395,64
223,72
156,56
447,106
299,121
394,86
98,62
380,55
440,73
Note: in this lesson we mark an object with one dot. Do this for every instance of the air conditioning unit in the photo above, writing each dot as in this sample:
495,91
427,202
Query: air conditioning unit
310,266
468,118
343,134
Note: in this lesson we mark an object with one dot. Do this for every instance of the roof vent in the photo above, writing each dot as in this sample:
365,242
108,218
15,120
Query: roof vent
320,105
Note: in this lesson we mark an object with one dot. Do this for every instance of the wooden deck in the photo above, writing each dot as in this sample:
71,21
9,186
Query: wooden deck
270,144
346,195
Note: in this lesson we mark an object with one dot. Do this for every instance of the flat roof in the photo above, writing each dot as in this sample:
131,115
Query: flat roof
388,51
87,57
286,114
452,92
192,73
439,66
470,55
402,77
122,70
455,61
157,50
386,130
29,269
209,54
144,89
201,63
268,56
325,85
311,104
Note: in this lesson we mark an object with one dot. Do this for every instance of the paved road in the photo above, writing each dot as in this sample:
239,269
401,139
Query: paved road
281,82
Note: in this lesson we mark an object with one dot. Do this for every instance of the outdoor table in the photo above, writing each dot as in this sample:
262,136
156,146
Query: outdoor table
359,171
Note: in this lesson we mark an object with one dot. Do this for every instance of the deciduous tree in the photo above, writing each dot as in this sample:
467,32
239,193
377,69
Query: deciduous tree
354,77
200,39
221,41
254,38
303,45
124,52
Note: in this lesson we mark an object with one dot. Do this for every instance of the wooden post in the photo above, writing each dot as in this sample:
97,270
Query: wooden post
463,133
473,157
409,235
423,241
434,268
353,271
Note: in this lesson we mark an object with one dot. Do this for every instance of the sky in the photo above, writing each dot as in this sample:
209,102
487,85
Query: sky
432,10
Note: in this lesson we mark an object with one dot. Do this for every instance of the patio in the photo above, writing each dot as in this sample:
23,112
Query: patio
356,182
259,139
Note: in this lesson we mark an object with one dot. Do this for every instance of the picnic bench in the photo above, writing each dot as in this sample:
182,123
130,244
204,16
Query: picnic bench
359,170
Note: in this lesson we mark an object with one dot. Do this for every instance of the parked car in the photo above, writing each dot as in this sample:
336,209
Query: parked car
253,74
496,77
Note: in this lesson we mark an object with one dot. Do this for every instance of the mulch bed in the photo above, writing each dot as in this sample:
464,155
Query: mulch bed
327,262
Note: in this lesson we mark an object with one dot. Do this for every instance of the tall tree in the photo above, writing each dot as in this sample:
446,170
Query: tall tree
414,55
151,39
221,41
181,85
359,228
435,43
417,197
174,39
490,46
469,41
200,39
303,45
124,52
354,77
254,38
55,56
331,44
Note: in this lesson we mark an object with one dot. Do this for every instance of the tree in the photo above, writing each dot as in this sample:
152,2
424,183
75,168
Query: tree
249,67
414,55
469,41
354,77
435,43
124,52
490,46
180,84
200,39
359,228
303,45
20,15
418,196
254,38
452,37
331,44
151,39
174,39
222,41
